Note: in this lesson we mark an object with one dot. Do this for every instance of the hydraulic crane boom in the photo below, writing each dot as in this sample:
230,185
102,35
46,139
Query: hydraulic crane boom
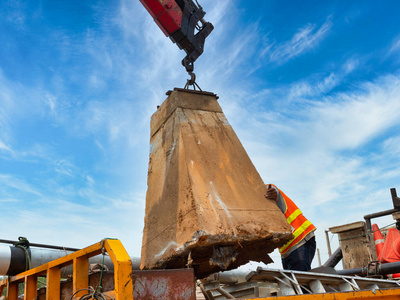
182,21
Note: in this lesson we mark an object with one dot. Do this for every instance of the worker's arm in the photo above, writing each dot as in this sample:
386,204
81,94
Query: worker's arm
274,194
271,194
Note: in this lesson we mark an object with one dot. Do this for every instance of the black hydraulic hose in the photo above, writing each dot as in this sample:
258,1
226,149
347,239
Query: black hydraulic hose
350,272
384,269
334,259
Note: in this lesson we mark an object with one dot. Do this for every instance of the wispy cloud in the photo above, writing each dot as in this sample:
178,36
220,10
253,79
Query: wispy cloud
9,200
18,102
306,88
395,47
50,101
4,147
15,183
76,224
325,138
392,146
316,86
305,39
357,117
64,167
15,12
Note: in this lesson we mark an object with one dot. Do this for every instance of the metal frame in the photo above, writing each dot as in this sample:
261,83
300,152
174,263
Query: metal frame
396,205
301,285
80,261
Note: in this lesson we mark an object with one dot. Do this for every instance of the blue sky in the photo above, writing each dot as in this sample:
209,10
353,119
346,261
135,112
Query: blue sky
312,89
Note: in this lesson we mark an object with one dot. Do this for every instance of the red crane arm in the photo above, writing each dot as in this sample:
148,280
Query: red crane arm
166,13
182,21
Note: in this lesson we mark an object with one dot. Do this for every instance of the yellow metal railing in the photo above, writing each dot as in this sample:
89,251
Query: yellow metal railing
123,287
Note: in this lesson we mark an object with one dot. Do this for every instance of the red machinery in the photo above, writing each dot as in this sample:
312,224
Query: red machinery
182,21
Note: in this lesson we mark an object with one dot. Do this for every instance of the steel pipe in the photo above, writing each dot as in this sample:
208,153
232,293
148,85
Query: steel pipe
13,260
377,215
396,205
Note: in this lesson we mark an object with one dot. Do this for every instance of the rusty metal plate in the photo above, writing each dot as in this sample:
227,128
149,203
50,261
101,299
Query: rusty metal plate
164,284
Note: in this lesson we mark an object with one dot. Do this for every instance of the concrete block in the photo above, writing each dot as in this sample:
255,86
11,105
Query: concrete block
205,204
357,246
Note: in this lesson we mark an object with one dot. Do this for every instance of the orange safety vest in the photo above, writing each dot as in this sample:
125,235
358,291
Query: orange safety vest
300,225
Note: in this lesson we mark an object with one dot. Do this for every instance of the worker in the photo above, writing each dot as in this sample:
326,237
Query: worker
298,253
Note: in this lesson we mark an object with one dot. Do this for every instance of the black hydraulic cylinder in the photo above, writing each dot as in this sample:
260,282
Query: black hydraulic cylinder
350,272
334,259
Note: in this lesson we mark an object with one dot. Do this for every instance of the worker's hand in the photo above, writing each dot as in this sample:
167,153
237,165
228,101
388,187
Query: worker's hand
271,194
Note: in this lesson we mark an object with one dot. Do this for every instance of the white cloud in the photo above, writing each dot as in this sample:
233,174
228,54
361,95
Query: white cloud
15,13
216,11
8,200
90,180
15,183
315,152
4,147
51,101
316,86
391,146
304,88
19,102
120,121
130,25
395,47
303,40
63,222
350,65
64,167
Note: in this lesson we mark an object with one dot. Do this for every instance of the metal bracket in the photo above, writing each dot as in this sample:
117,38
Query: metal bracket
374,269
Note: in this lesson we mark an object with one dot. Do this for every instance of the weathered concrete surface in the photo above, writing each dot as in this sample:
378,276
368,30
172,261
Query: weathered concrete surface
358,248
204,195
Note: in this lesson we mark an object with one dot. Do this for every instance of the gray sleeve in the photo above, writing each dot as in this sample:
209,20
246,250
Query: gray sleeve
281,203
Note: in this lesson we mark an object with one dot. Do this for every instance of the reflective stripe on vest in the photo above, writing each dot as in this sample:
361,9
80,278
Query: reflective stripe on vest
294,215
299,234
297,220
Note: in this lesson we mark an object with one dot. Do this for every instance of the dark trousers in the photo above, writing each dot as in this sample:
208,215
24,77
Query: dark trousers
301,258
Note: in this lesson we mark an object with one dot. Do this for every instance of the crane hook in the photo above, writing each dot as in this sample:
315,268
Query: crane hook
190,68
192,82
